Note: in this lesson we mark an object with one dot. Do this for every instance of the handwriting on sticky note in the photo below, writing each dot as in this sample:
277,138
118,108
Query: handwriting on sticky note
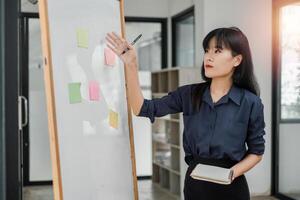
82,38
74,92
113,119
94,90
110,57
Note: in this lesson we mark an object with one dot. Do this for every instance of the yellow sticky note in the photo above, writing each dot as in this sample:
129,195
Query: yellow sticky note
113,119
82,38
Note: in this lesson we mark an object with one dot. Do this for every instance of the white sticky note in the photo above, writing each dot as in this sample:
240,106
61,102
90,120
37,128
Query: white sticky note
88,128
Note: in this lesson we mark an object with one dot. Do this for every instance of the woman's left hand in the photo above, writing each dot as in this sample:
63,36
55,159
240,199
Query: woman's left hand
233,174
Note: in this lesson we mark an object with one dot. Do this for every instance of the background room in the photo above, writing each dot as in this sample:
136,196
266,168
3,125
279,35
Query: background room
169,55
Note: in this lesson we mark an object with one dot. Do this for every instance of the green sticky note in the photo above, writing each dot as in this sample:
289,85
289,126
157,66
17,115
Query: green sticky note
74,92
82,38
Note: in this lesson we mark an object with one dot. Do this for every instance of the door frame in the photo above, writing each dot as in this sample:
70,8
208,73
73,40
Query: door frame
11,179
24,91
276,96
182,15
164,34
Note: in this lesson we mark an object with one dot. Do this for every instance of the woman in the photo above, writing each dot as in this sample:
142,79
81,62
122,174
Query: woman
222,116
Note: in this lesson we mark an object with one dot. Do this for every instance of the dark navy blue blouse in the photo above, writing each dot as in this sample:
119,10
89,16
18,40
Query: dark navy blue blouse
218,130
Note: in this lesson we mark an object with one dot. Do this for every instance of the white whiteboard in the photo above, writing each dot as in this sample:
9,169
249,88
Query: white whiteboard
95,158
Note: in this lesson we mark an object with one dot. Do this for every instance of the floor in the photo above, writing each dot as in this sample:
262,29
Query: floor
295,196
147,191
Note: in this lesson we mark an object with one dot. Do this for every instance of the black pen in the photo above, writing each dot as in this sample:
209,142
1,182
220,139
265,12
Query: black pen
132,43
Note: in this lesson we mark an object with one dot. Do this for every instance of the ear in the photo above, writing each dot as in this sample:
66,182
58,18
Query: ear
237,60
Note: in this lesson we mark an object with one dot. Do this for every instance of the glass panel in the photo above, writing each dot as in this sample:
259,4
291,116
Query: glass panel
148,48
185,42
39,148
289,160
290,62
289,157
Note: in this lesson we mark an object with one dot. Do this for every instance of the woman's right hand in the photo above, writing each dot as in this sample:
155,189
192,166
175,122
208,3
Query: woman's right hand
118,45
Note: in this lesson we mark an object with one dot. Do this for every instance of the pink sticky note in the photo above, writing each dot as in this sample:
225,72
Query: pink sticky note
94,90
110,57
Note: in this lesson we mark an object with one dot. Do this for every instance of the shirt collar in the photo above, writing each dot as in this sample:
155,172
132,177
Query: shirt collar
235,94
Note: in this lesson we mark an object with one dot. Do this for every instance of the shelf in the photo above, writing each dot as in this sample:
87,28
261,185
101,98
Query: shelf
175,161
164,141
175,116
163,82
154,82
164,178
155,174
159,127
175,184
158,94
173,132
166,131
168,118
177,197
173,80
167,168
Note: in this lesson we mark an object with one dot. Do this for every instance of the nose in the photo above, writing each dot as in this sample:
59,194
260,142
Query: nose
209,58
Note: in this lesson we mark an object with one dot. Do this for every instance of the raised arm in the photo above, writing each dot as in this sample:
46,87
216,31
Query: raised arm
168,104
118,45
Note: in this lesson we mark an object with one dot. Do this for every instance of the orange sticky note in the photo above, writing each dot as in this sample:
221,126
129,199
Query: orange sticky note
113,119
94,90
110,57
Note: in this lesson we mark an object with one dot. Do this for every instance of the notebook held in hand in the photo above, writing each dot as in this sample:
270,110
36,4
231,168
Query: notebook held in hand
213,174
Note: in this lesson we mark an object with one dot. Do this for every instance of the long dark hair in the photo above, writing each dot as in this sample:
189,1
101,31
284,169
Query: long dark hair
235,40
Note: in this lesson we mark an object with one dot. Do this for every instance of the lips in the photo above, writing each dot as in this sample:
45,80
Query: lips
208,66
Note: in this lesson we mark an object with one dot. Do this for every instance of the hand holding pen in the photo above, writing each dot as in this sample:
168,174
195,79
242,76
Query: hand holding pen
122,48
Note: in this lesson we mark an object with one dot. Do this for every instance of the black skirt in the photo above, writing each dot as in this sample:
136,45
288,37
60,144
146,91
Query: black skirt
204,190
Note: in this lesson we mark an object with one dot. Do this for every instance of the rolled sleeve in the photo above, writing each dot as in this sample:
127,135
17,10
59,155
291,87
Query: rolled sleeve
168,104
255,136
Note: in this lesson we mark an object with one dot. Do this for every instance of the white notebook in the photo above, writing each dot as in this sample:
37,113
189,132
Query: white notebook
212,174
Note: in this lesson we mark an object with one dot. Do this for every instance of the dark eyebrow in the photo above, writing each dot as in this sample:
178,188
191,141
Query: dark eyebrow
216,47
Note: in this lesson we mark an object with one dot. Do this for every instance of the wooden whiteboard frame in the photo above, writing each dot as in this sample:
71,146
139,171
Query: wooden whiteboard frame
50,100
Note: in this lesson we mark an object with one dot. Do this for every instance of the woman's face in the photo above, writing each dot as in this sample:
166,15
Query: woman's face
219,62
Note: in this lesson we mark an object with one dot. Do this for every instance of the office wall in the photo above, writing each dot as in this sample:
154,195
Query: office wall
146,8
